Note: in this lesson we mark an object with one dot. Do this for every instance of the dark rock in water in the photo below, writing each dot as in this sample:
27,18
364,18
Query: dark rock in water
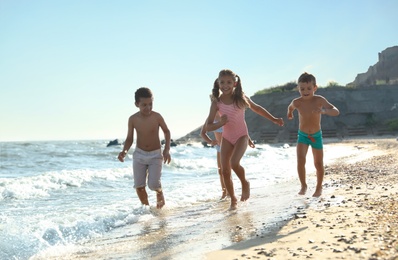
113,142
205,144
172,143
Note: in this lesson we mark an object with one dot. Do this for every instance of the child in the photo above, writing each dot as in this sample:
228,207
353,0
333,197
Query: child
310,107
216,143
231,105
147,156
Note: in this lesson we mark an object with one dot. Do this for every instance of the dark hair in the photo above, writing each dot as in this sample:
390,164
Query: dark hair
215,92
307,78
238,95
142,93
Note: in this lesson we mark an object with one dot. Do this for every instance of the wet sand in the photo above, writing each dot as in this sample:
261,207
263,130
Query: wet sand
191,232
358,220
355,218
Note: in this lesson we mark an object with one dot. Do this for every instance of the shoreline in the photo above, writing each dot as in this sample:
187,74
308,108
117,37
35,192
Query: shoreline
356,221
275,223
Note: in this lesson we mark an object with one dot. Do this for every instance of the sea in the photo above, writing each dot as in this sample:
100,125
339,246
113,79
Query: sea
74,199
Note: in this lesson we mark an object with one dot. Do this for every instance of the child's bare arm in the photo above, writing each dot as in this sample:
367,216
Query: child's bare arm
203,133
264,112
210,125
129,140
329,109
290,110
167,138
205,136
251,143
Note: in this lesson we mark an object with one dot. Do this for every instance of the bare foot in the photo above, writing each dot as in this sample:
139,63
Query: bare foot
317,193
303,190
224,194
160,199
234,205
245,191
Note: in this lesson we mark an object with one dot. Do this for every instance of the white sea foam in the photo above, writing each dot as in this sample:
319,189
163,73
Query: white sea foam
67,195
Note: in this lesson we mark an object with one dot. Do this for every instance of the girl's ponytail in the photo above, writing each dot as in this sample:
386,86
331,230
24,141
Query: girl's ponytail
239,95
216,90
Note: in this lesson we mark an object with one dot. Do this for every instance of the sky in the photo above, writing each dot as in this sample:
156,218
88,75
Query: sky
69,68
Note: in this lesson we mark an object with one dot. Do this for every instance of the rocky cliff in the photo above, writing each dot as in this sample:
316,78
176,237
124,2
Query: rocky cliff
364,111
385,71
366,106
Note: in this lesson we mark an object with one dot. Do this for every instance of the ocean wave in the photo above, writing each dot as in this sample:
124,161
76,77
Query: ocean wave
18,241
42,185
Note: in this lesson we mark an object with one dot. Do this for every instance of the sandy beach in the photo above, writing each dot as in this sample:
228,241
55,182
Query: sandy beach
358,220
355,218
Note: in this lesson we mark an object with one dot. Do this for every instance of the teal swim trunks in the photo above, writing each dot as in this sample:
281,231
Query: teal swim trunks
315,140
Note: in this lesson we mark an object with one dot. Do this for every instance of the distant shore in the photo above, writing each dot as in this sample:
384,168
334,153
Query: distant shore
359,221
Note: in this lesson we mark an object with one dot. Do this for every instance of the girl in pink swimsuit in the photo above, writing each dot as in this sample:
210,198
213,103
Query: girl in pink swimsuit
230,101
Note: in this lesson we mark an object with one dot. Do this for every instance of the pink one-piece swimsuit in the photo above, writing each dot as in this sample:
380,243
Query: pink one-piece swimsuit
236,126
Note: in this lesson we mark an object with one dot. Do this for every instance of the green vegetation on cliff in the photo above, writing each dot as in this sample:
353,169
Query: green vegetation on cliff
393,124
291,86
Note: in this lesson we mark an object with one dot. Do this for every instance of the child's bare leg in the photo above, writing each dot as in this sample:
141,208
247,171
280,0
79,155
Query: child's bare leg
226,152
224,189
229,185
320,171
301,151
160,199
245,191
142,195
240,172
240,148
318,190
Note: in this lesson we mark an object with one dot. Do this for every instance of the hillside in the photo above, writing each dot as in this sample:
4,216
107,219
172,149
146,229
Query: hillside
368,106
385,71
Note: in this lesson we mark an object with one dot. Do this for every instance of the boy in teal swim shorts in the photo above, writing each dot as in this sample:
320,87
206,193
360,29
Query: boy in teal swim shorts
310,107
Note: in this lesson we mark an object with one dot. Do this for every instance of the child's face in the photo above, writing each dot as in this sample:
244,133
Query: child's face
307,89
145,106
227,84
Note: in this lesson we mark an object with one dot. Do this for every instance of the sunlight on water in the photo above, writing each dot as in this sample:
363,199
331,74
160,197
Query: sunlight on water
59,196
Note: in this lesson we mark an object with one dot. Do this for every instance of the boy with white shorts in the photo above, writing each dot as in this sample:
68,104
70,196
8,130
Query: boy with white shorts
147,156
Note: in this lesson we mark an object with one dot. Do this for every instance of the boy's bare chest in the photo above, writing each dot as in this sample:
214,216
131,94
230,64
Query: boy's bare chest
146,124
308,108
